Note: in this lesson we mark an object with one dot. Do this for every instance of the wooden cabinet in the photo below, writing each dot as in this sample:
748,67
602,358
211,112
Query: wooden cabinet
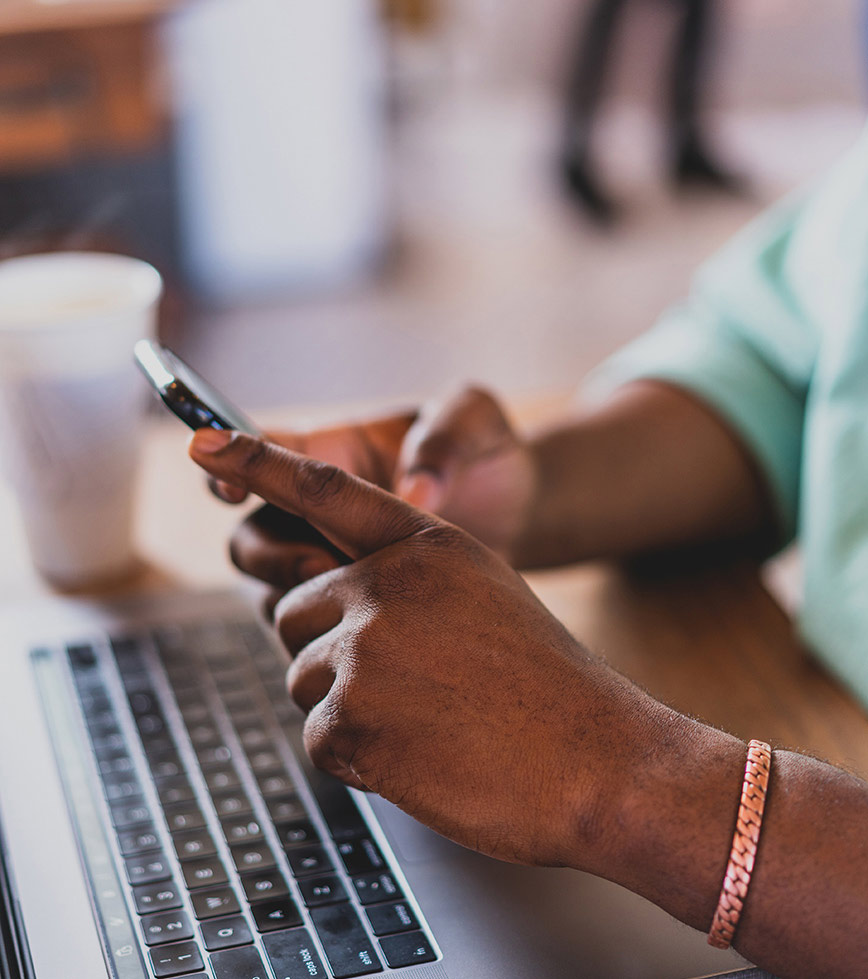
77,79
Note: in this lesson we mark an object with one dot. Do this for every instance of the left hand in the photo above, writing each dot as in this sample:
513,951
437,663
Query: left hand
432,675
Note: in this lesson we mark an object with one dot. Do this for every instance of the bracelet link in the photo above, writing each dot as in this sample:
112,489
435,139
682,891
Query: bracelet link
745,841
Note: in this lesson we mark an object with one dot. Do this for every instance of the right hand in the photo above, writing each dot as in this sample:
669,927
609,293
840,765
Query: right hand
494,727
461,459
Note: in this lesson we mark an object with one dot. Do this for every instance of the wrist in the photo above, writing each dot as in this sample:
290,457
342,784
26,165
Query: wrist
677,813
660,817
550,531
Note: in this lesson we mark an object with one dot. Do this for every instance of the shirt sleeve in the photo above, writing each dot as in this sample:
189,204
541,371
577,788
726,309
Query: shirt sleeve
743,345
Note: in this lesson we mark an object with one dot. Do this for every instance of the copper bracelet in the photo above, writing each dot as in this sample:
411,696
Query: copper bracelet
744,845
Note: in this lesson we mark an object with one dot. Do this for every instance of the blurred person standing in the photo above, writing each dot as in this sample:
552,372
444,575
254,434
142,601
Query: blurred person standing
691,162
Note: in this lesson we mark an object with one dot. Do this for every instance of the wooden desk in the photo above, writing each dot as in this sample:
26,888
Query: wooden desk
712,644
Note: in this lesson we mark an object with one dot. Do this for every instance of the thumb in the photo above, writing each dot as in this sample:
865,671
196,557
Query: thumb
356,516
443,440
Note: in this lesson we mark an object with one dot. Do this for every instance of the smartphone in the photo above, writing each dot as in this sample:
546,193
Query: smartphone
188,395
200,405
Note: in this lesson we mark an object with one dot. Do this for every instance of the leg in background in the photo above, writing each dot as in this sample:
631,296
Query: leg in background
691,162
583,96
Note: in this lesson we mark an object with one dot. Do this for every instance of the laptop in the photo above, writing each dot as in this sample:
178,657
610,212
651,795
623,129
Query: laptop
161,820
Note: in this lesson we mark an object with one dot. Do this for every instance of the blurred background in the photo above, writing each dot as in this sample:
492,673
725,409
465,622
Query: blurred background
372,201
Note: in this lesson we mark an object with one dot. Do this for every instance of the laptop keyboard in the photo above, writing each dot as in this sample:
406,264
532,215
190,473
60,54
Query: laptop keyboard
238,859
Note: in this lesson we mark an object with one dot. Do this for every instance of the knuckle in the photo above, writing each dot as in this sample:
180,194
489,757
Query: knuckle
294,678
435,448
335,733
318,481
478,393
253,456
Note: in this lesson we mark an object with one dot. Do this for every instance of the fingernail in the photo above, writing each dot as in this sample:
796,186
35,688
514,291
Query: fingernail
421,490
211,439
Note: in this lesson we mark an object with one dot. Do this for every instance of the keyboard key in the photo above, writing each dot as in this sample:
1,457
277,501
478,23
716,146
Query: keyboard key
130,813
275,784
176,960
345,942
322,890
388,919
150,724
148,868
293,955
166,766
185,676
143,702
241,829
121,788
216,756
102,724
184,815
274,915
214,902
232,803
238,963
308,860
244,716
361,856
81,657
157,897
373,888
341,814
254,739
159,747
119,764
285,711
237,701
204,735
127,651
109,746
138,679
287,808
136,841
224,777
168,926
409,949
193,843
296,834
253,856
234,678
94,699
204,872
225,933
174,788
193,710
265,885
265,760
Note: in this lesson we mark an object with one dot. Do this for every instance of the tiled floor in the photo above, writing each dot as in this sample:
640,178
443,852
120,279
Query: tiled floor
495,279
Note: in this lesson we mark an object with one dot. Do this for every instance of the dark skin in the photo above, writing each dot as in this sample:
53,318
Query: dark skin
625,787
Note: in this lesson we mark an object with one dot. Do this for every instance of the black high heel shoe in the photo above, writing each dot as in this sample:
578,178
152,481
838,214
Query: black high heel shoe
583,189
694,169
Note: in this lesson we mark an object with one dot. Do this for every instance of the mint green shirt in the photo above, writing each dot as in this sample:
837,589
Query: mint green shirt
775,338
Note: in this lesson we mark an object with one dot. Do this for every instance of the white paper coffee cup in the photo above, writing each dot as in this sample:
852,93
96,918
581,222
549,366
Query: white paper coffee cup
72,403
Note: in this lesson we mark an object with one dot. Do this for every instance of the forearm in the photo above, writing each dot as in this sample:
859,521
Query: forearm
651,469
806,914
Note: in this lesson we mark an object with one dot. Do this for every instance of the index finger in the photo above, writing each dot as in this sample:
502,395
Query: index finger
356,516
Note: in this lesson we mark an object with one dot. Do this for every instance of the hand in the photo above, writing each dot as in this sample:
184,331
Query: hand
461,459
432,675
